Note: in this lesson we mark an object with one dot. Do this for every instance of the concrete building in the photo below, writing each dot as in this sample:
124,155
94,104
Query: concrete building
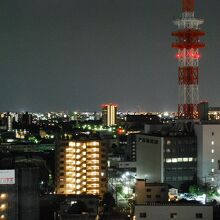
28,193
19,194
109,114
165,211
150,192
81,167
149,158
8,195
208,139
167,158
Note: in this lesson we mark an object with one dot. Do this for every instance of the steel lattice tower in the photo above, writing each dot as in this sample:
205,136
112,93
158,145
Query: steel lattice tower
187,44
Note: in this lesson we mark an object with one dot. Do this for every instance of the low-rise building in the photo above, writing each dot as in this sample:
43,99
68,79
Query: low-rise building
166,211
150,192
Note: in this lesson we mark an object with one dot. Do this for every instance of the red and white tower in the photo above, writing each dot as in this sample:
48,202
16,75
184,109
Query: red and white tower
188,44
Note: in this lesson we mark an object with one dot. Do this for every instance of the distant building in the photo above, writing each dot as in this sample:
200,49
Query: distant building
138,121
109,114
26,119
81,167
9,122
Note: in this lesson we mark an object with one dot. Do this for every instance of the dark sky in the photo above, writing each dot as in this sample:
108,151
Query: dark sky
76,54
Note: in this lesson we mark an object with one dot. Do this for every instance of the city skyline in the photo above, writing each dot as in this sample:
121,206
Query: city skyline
71,55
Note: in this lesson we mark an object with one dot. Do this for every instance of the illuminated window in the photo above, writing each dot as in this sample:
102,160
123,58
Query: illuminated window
168,160
168,150
168,142
213,151
3,196
180,159
174,160
213,160
213,170
3,206
213,179
212,142
190,159
185,159
72,144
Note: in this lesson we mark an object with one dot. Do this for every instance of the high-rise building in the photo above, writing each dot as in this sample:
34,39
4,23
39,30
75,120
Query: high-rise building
109,114
81,167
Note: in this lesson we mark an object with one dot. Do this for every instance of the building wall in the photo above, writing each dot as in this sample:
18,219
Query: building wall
130,153
9,198
171,159
208,153
28,189
180,212
140,192
180,159
149,158
150,192
81,167
21,199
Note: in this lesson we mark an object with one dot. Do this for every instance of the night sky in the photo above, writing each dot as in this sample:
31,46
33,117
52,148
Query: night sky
64,55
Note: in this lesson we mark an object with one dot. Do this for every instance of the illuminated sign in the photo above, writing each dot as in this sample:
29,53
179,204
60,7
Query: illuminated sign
7,177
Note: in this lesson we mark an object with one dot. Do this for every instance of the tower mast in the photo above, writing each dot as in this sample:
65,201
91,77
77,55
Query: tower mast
188,44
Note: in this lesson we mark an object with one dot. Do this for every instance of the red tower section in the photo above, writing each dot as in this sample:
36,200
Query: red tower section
188,44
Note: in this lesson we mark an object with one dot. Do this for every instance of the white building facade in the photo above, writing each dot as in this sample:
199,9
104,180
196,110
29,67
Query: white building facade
208,148
166,211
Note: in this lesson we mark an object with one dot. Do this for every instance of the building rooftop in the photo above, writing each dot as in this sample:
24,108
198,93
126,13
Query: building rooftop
172,204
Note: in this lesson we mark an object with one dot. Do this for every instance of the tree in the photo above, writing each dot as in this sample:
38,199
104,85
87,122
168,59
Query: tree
108,202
